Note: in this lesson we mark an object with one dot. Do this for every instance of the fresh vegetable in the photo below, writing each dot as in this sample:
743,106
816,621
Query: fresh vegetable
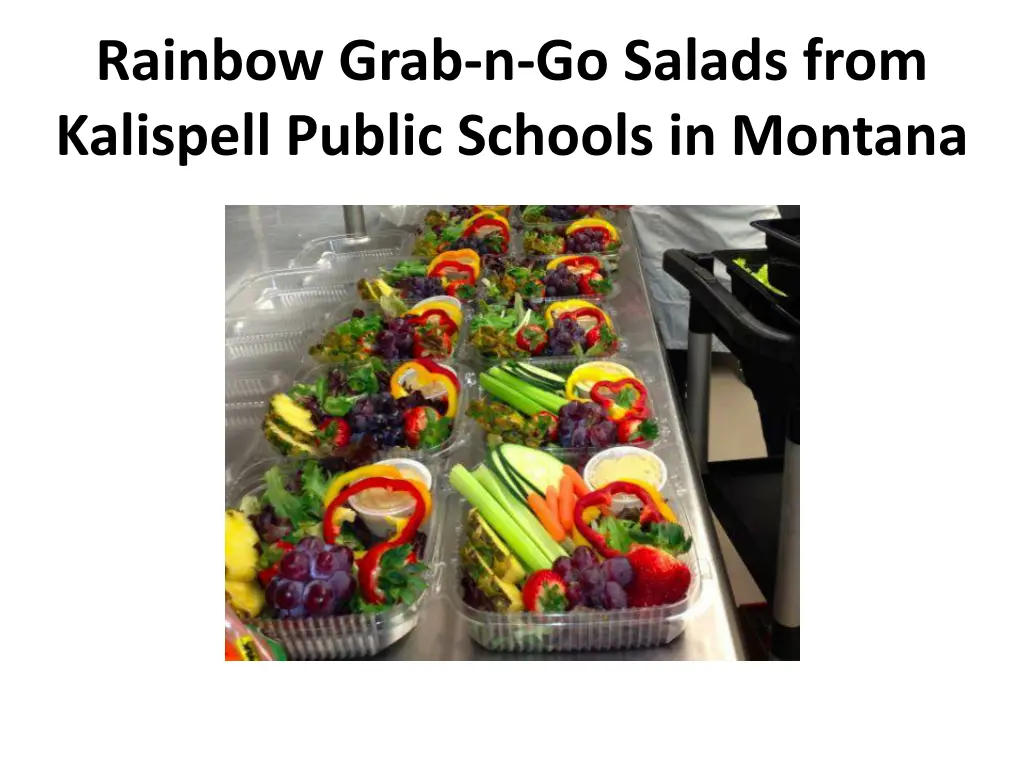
495,485
425,427
578,264
579,487
416,491
499,518
584,376
602,497
546,398
566,502
432,379
532,338
461,264
621,399
545,592
591,236
486,223
502,391
541,214
503,423
546,515
658,578
460,289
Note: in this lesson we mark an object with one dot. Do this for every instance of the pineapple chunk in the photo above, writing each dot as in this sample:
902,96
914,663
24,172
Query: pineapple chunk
240,547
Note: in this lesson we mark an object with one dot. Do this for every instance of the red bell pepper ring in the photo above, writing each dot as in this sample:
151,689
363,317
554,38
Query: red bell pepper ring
587,263
593,312
447,268
331,530
603,497
444,320
625,398
481,221
370,562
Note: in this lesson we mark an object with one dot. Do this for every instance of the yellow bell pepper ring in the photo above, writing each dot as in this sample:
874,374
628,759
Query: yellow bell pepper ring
370,470
574,305
656,497
613,233
589,515
415,376
464,256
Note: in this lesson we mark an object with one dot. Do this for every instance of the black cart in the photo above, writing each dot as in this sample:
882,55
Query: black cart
757,501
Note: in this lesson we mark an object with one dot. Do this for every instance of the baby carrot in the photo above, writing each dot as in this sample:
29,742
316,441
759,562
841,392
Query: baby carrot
547,518
578,486
566,502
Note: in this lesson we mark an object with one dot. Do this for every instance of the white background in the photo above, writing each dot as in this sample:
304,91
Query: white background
911,410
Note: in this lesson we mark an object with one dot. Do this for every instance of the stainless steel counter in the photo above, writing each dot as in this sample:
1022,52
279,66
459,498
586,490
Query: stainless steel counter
712,632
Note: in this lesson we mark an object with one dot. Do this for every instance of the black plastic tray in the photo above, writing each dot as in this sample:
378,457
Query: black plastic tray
782,236
783,273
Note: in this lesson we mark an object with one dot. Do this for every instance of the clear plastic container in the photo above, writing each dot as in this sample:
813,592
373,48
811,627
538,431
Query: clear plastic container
356,635
282,350
342,251
564,366
579,630
475,358
599,211
310,373
290,290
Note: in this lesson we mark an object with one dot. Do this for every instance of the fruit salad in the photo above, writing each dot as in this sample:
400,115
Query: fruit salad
594,406
452,273
463,227
562,276
518,328
300,550
538,539
546,214
583,236
428,329
365,406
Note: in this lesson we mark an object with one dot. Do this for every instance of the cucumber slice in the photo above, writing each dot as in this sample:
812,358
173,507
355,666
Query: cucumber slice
514,370
540,373
497,467
536,468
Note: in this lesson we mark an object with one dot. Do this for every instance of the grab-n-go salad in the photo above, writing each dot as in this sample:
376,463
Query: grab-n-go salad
545,214
596,405
517,328
583,236
316,545
464,227
366,406
454,273
430,328
539,539
562,276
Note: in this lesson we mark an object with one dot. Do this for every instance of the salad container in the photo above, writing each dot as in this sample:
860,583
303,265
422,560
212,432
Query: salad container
528,215
578,630
354,635
524,242
310,373
564,366
609,265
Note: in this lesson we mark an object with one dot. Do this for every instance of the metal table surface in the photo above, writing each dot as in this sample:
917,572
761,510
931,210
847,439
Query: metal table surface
712,631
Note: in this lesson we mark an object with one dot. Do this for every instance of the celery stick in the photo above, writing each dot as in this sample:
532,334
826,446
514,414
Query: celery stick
549,400
526,519
494,513
508,395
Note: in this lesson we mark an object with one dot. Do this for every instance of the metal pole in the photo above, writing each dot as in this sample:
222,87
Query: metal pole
786,605
698,394
355,221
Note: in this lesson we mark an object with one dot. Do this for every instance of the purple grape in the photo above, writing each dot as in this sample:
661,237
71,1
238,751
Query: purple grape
614,596
563,567
325,565
343,586
287,595
618,570
580,436
592,578
318,598
575,595
344,558
603,433
295,565
583,557
311,544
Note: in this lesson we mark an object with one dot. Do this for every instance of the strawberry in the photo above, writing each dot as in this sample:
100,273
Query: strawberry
658,578
532,338
425,427
336,430
544,592
634,430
